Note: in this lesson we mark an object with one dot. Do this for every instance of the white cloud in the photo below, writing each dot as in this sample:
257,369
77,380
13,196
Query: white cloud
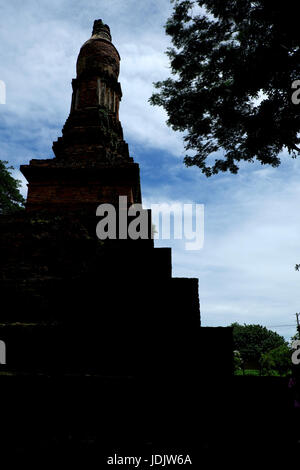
246,268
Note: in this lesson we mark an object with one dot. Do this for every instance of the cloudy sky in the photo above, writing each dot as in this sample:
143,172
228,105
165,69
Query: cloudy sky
252,221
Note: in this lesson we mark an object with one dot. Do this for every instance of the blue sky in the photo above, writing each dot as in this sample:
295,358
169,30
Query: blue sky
252,223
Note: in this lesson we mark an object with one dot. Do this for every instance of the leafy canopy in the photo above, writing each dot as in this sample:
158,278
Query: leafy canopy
233,63
278,360
10,198
252,341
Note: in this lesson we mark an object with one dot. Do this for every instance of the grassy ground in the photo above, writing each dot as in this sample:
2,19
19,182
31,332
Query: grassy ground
257,373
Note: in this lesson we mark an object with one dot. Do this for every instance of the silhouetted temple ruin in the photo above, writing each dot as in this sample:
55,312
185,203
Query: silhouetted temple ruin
101,339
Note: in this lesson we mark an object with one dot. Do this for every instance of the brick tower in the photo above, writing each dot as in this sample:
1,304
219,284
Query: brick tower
100,337
92,163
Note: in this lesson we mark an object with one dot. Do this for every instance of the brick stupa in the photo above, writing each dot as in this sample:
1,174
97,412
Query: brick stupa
92,163
105,347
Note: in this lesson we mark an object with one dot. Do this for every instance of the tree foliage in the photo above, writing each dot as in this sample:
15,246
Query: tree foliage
277,361
233,63
252,341
10,198
237,361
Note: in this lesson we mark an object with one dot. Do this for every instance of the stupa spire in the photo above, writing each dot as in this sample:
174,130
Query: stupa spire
93,127
101,30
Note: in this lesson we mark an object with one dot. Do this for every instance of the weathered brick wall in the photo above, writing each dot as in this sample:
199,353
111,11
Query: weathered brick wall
74,194
98,56
87,93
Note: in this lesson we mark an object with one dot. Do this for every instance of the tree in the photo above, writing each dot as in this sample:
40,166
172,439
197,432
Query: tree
234,63
10,198
295,337
277,361
237,361
252,341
